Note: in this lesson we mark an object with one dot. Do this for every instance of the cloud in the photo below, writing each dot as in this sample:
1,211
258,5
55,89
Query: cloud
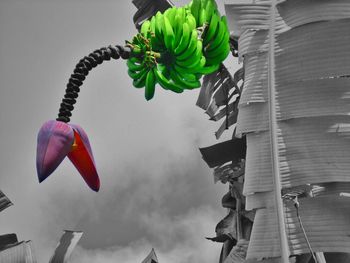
177,239
169,203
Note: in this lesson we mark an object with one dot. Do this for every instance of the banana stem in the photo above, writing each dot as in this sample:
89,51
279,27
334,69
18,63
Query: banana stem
82,70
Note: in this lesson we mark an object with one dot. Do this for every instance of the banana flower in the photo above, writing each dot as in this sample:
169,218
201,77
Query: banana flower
56,140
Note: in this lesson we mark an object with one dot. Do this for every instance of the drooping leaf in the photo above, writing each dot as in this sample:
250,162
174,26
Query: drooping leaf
148,8
4,201
219,96
151,257
65,246
224,152
8,239
18,253
221,238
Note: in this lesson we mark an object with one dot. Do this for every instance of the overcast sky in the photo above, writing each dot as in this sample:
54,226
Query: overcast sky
156,191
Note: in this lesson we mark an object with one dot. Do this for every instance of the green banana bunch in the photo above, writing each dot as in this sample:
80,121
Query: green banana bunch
141,64
202,10
217,47
216,35
175,48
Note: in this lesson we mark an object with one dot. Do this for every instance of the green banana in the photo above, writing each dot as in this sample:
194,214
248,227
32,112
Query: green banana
194,58
215,6
198,51
166,83
189,64
156,40
191,47
191,21
209,10
158,25
162,68
202,62
184,83
170,14
136,74
195,8
211,29
222,46
145,28
141,81
220,57
178,68
184,39
178,30
131,63
196,65
189,76
150,84
153,24
220,32
168,32
202,17
181,12
209,69
218,51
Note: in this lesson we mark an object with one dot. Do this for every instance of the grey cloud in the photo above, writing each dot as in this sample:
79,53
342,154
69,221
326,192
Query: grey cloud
190,248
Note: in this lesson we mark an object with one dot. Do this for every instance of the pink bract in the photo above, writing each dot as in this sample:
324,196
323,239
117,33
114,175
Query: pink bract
82,158
55,140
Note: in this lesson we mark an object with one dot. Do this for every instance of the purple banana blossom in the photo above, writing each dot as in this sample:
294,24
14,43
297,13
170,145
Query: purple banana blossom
56,140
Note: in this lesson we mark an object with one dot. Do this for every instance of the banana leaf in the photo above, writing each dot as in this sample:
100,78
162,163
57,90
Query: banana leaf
212,109
225,250
4,201
227,225
228,172
312,151
309,83
219,96
221,238
232,107
325,219
223,173
220,153
65,246
238,252
148,8
8,239
222,93
228,122
18,253
151,257
210,83
228,201
254,15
